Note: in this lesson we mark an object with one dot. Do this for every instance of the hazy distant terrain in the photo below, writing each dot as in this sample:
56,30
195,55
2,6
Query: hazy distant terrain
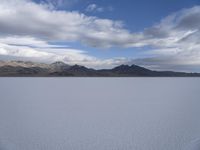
99,113
60,69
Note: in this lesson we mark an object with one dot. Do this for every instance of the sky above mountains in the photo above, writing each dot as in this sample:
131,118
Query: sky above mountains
161,35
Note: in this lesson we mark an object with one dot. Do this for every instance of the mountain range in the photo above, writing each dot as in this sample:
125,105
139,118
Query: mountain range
60,69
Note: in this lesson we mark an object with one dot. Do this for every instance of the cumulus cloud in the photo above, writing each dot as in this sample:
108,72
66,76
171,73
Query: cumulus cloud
27,48
40,50
57,4
173,42
22,17
96,8
93,7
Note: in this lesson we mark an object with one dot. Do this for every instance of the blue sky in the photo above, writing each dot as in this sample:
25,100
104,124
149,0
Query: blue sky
160,35
137,14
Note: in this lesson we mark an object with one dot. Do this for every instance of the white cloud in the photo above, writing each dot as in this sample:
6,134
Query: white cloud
173,42
94,8
26,48
57,4
16,40
40,50
22,17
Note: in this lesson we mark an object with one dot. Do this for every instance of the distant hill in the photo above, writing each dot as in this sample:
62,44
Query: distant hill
60,69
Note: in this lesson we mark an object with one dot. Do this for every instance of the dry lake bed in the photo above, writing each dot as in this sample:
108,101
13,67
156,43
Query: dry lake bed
99,113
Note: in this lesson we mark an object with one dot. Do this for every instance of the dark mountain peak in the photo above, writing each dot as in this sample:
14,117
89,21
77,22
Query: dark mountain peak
58,66
121,67
132,70
27,68
83,71
127,67
78,67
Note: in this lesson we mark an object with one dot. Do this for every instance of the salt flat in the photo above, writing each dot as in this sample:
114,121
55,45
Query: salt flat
99,113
